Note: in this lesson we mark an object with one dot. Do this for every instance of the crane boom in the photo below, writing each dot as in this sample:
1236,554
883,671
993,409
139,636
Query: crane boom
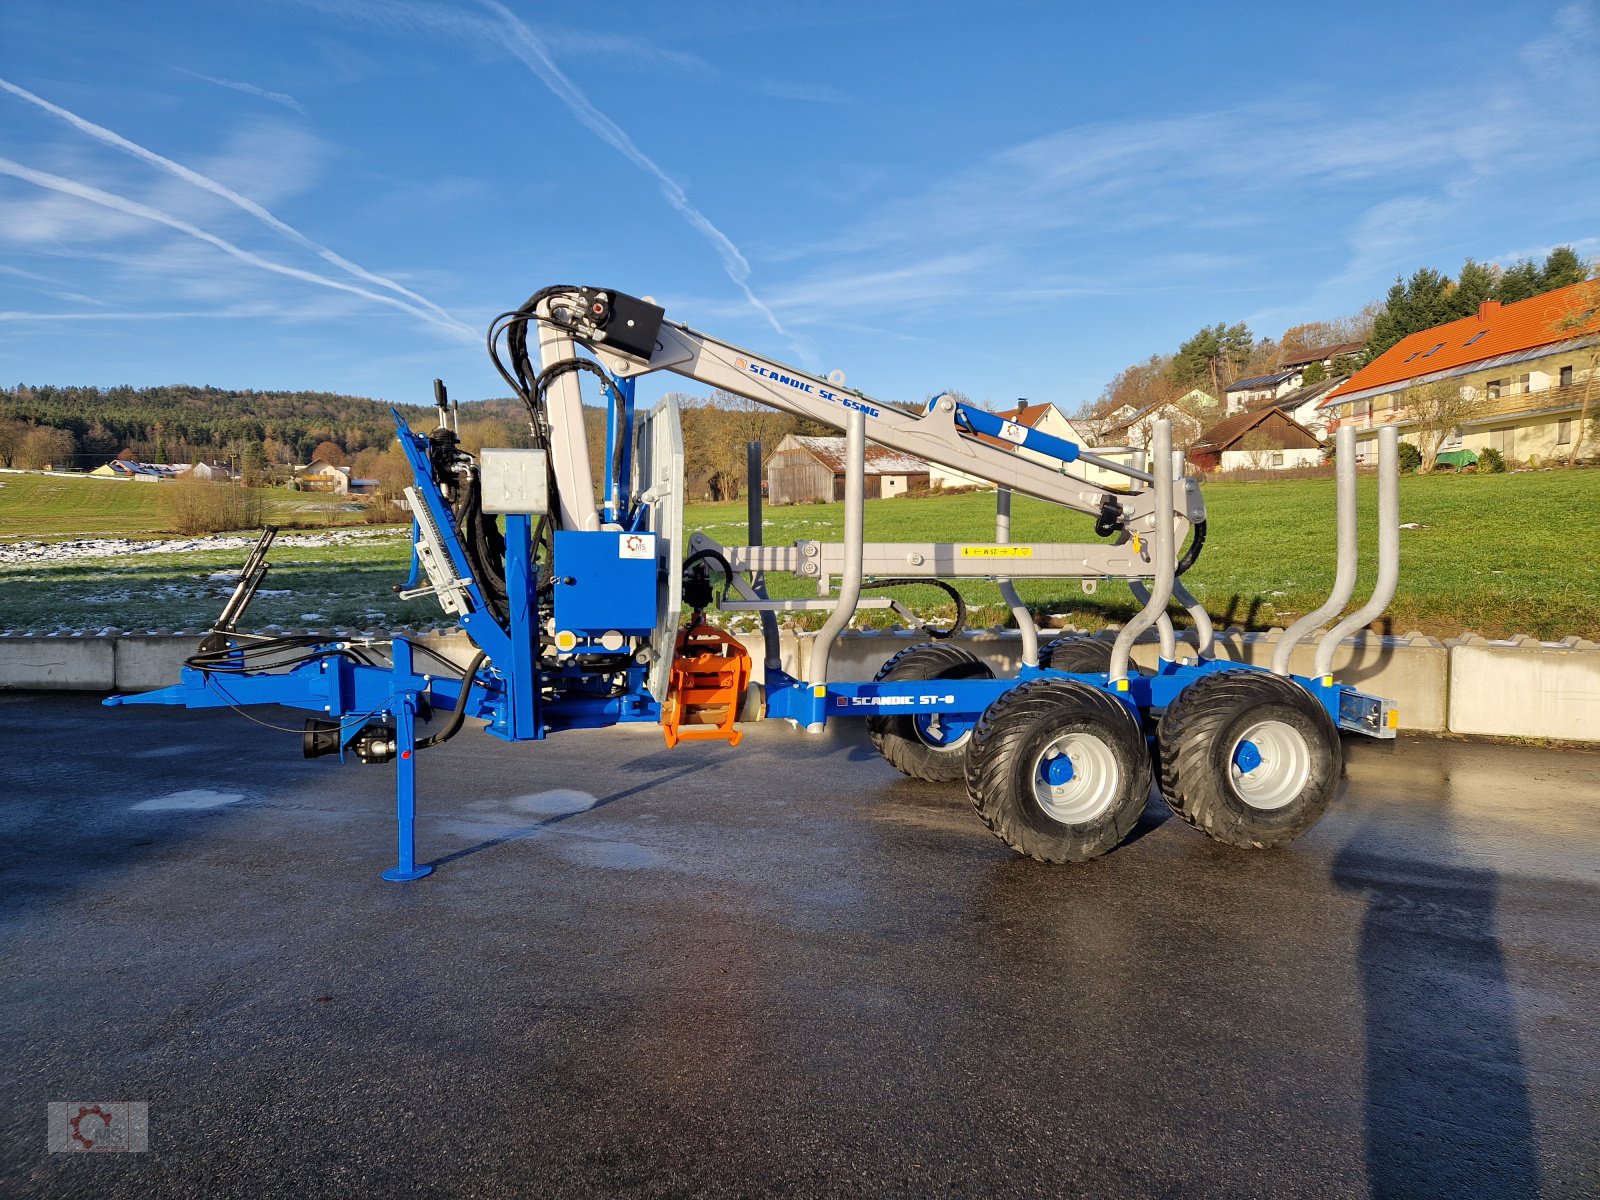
632,338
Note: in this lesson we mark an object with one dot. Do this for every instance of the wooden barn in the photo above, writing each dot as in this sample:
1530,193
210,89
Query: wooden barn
1266,439
807,470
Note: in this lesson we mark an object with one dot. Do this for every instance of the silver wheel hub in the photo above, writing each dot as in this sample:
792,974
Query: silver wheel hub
1269,764
1081,788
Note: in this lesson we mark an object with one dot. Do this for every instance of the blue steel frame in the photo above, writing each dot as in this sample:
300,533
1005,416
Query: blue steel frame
960,702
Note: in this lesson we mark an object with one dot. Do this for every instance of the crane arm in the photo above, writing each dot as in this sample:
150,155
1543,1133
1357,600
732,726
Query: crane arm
631,337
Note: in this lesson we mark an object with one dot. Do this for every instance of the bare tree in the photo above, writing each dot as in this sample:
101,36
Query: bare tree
1437,410
1574,324
44,446
1259,447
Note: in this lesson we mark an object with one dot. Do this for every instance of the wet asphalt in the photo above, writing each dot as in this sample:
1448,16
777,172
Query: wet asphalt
779,970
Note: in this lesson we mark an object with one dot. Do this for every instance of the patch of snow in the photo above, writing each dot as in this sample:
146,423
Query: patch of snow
188,801
76,548
558,802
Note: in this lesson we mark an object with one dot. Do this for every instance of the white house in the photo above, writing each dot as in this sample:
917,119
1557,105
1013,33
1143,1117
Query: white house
1302,405
1245,394
323,477
216,472
1128,426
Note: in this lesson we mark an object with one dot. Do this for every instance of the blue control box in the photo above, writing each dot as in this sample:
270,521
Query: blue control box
605,582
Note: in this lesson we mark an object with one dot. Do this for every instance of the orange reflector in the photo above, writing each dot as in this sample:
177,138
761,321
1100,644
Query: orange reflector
710,671
1394,718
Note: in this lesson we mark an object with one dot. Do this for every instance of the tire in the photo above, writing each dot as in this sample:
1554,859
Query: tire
1248,758
1108,775
917,745
1077,653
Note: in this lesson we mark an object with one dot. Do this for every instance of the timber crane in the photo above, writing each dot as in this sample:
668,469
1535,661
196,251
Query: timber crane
575,605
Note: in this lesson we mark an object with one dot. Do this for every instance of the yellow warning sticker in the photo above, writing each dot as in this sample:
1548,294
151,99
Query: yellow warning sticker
997,552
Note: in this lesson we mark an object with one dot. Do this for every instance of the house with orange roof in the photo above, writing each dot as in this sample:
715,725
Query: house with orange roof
1533,367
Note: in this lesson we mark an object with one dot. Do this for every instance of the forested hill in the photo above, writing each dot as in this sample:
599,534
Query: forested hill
178,423
85,427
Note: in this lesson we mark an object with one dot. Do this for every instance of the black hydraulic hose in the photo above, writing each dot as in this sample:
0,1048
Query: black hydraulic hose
700,601
458,715
961,604
1192,554
714,555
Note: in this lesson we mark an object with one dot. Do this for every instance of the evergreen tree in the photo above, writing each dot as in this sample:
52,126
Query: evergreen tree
1562,266
1213,356
1414,304
1475,285
1519,282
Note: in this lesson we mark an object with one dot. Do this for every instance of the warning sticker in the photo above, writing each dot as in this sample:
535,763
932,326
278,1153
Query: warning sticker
997,552
636,545
1012,432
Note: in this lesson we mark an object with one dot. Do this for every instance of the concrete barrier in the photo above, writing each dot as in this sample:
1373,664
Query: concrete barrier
146,663
58,663
1513,688
1523,688
1413,670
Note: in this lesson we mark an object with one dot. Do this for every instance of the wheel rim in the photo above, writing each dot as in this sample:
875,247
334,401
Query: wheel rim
1076,778
1269,764
942,731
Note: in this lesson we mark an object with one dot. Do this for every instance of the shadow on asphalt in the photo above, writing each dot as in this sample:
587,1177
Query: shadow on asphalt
1443,1056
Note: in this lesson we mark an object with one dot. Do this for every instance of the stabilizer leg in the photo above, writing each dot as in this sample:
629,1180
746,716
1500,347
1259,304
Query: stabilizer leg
405,777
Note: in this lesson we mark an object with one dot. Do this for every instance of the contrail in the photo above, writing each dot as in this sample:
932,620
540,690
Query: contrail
94,195
127,316
248,89
537,59
102,134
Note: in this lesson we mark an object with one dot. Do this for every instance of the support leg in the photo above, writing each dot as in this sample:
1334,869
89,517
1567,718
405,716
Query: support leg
405,793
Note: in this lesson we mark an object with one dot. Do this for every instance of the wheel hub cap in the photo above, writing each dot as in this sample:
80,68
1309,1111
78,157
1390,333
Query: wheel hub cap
1269,765
1076,778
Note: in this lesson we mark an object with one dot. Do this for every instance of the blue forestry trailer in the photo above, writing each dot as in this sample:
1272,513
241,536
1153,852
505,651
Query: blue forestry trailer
575,606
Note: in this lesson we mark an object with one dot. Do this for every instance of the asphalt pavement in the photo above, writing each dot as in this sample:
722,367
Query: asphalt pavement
780,969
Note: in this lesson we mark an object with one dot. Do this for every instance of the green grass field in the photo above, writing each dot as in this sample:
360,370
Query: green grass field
1496,554
47,507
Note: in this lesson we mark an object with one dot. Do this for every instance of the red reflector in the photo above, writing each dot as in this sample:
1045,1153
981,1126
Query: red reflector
405,754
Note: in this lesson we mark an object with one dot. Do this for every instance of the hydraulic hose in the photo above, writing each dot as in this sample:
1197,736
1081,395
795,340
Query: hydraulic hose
458,715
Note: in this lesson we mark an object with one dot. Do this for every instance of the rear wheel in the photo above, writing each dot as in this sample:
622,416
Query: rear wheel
928,746
1248,758
1079,654
1058,771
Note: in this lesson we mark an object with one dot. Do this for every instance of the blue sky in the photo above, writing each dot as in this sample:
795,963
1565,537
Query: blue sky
1011,199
